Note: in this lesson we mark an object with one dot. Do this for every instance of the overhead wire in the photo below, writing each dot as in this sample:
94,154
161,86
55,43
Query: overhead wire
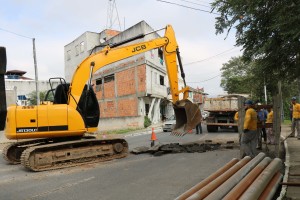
15,33
196,3
188,7
206,79
210,57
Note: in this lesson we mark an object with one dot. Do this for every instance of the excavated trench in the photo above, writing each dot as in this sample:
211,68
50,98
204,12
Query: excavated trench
161,149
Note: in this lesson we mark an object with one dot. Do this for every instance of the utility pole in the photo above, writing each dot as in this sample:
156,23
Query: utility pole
34,60
265,90
36,74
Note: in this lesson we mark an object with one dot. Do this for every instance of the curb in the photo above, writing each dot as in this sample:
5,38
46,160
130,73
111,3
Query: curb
143,132
287,170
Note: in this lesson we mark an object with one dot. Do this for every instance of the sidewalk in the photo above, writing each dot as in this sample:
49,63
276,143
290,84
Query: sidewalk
292,165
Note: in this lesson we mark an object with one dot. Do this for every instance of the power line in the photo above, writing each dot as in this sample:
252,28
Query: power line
15,33
188,7
196,3
210,57
206,79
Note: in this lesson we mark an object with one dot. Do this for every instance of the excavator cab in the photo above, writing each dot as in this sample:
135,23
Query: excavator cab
87,106
188,116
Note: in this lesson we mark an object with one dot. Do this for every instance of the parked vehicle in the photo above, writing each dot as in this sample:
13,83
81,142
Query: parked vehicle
205,114
169,124
221,112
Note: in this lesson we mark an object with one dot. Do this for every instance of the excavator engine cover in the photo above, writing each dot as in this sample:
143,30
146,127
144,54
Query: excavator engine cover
188,116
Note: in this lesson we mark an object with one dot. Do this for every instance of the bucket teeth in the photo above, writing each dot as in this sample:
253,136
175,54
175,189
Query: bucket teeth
177,133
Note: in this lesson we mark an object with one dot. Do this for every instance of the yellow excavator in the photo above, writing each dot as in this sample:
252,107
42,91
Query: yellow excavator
58,130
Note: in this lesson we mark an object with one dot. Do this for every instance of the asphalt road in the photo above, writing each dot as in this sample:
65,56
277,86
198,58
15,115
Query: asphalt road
134,177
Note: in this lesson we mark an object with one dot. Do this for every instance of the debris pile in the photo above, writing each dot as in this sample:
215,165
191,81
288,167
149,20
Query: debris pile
161,149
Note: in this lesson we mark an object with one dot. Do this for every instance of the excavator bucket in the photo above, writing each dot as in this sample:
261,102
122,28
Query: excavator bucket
188,116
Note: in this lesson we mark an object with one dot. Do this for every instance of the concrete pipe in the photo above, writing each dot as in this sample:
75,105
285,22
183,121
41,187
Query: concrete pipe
202,193
271,188
207,180
241,187
221,191
260,183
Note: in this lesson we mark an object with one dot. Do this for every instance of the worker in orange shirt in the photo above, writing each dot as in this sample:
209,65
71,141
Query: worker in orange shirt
270,133
296,118
249,137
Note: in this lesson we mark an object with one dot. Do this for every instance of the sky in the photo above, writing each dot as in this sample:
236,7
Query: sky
56,23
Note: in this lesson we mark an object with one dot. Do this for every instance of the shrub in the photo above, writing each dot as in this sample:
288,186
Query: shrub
147,122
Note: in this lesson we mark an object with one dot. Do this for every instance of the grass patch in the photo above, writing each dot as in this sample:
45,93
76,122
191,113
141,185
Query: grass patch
287,122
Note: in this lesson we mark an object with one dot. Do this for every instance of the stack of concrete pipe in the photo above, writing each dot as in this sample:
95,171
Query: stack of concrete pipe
256,178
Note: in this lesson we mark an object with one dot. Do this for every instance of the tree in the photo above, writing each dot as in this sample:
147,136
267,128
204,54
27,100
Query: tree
234,76
32,97
268,31
241,77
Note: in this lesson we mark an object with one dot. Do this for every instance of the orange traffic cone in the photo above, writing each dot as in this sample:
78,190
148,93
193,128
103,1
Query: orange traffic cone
153,138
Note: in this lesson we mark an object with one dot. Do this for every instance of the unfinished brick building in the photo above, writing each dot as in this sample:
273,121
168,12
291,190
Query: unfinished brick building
129,89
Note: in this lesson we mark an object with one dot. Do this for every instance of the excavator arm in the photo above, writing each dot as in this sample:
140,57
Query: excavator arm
110,55
187,114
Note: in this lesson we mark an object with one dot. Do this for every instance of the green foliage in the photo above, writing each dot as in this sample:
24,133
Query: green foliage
147,122
33,99
239,76
268,31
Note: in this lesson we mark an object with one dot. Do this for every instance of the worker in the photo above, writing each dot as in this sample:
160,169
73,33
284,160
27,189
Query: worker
249,136
296,118
262,116
270,134
236,116
199,127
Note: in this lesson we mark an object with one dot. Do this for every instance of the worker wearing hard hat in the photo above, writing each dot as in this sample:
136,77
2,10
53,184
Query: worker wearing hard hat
296,118
249,137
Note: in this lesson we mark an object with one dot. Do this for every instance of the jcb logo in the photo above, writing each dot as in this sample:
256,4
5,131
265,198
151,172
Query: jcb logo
138,48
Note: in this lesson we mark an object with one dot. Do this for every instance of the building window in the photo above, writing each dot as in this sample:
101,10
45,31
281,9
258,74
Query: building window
98,84
77,50
160,56
69,55
109,78
81,47
161,80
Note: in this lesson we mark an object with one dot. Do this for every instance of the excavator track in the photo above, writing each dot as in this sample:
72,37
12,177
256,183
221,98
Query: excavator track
12,152
72,153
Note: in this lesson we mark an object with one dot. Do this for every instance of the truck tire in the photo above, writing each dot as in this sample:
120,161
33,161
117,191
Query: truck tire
211,128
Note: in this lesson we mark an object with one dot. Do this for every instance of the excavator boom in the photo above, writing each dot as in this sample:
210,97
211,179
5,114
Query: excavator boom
60,126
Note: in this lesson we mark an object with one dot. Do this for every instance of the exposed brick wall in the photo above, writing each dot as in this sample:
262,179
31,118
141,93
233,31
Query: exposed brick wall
126,82
108,109
109,89
141,74
98,90
127,107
